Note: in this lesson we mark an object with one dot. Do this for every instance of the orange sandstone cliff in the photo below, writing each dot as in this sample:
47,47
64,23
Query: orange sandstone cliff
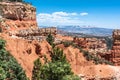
115,52
16,16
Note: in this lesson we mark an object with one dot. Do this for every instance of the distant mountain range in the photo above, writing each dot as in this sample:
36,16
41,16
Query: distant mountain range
95,31
84,30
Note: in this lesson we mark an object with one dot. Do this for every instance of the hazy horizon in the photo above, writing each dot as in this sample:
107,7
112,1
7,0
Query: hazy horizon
97,13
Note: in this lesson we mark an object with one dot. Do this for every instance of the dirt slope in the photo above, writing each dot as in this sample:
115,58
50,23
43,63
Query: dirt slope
26,52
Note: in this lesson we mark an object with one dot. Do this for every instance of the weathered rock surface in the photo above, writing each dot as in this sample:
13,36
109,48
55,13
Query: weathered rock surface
93,45
17,11
38,34
115,52
87,69
17,16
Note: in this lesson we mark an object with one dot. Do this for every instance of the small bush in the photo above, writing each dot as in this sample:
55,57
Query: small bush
71,77
50,40
67,43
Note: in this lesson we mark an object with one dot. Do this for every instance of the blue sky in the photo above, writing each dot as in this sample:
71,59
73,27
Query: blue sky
96,13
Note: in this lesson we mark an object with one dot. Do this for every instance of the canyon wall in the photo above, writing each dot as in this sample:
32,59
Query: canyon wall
17,11
115,52
93,45
38,34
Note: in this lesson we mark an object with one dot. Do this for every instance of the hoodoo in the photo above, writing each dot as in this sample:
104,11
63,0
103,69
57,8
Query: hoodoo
115,52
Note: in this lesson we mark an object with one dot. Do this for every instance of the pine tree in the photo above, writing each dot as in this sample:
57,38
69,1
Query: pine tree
50,39
37,70
58,55
9,67
57,69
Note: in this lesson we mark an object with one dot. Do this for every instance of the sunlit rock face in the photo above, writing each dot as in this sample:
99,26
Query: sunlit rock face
17,11
93,45
115,52
17,16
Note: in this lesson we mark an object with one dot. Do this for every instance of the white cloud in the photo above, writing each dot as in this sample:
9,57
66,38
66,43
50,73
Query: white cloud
58,18
64,14
73,14
84,14
60,14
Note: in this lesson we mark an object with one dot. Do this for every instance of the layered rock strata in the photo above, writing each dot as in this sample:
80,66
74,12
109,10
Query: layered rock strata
17,11
115,52
38,34
93,45
17,16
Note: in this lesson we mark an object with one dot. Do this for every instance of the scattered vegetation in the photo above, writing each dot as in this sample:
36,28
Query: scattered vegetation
70,77
37,70
50,39
109,42
9,68
95,59
86,54
56,69
67,43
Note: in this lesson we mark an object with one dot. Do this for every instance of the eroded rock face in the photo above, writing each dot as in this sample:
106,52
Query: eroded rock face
17,11
93,45
87,69
17,16
26,52
38,34
115,52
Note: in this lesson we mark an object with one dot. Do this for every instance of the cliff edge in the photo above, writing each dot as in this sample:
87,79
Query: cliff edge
16,16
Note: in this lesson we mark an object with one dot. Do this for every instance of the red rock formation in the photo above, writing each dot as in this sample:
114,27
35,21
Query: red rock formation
93,45
26,52
115,52
16,16
17,11
87,69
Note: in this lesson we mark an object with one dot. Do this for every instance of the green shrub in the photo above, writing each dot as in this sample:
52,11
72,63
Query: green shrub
37,70
57,69
58,55
50,40
67,43
71,77
87,55
9,68
109,42
2,74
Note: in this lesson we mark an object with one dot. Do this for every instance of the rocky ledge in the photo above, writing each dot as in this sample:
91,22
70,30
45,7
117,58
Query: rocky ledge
17,11
17,16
